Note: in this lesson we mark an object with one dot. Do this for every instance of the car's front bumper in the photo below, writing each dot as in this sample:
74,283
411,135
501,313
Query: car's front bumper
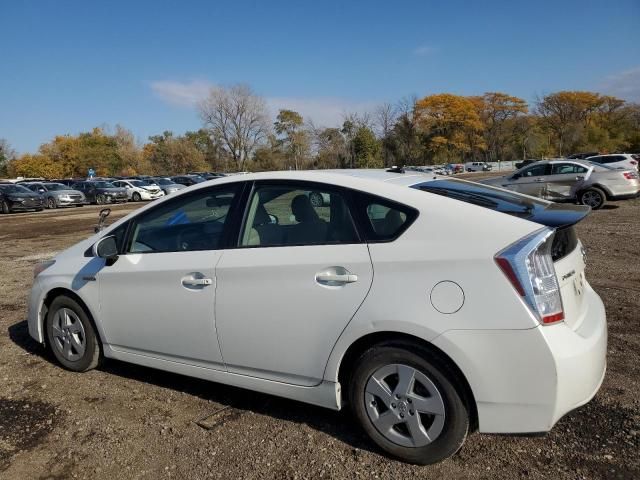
151,195
524,381
16,206
70,202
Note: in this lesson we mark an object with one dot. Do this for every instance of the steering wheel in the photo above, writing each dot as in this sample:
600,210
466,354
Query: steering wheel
187,236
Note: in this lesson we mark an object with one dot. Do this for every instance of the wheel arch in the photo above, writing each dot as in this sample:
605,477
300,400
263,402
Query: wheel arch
599,186
358,347
51,295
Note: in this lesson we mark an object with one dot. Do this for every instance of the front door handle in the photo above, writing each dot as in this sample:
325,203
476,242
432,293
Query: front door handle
196,282
336,278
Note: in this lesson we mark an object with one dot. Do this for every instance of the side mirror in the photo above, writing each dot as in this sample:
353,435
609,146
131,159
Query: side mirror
515,176
274,219
41,190
106,248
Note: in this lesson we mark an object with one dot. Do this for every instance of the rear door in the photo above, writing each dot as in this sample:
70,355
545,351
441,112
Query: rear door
298,275
564,176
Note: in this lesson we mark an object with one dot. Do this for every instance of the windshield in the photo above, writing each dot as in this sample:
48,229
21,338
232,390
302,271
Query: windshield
103,184
11,188
163,181
484,196
137,183
198,178
55,186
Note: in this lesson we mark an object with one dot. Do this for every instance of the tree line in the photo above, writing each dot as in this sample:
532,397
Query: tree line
237,134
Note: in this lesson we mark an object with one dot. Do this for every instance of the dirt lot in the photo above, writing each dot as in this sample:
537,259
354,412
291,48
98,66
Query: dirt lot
124,421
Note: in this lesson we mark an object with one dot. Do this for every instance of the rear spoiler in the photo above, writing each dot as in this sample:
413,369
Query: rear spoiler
560,215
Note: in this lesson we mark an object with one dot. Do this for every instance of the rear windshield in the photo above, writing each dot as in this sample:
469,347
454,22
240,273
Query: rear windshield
485,196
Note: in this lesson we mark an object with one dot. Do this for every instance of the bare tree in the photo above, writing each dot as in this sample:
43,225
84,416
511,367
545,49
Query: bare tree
6,155
385,119
237,119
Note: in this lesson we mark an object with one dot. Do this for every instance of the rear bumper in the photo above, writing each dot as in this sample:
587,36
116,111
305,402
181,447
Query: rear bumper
524,381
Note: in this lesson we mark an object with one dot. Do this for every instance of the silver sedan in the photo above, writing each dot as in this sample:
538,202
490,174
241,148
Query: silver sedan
570,180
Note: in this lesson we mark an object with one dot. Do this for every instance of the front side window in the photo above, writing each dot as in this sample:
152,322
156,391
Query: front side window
300,214
536,171
188,223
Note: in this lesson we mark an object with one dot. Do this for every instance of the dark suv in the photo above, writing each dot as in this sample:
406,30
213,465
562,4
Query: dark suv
188,180
17,198
101,192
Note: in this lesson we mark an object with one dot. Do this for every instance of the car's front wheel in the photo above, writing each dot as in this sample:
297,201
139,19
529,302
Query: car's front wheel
51,203
136,197
101,199
407,403
593,197
71,335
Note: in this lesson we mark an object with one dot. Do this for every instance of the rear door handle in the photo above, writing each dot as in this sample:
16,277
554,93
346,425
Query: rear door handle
336,278
539,179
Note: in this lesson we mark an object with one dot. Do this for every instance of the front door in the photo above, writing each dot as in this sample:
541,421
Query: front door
158,298
531,180
298,276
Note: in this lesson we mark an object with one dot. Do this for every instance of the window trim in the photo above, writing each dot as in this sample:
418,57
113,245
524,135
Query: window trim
226,235
347,194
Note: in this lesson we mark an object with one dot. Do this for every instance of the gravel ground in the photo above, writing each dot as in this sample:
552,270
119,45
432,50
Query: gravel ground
125,421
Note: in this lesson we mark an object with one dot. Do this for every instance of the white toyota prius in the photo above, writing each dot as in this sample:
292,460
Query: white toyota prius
431,307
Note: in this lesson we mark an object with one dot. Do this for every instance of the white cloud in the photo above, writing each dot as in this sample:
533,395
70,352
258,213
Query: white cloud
424,50
625,85
323,111
181,94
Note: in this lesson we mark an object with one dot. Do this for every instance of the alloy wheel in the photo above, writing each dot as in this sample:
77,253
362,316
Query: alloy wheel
69,337
592,198
51,203
404,405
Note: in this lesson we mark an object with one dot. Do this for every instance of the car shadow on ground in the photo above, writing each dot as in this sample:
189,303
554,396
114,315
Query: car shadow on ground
339,425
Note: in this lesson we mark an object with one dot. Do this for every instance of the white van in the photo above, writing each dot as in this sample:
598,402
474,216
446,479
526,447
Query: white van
477,167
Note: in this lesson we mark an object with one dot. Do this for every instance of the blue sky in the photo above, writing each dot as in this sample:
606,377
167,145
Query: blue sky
67,66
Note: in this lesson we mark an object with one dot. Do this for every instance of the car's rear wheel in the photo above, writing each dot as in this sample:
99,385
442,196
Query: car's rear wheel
5,207
592,197
136,197
51,203
71,335
407,403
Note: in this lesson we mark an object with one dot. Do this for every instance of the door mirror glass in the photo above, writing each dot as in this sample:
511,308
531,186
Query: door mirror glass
106,247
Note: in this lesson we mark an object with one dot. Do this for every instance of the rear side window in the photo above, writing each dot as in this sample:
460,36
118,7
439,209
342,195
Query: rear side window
382,219
564,168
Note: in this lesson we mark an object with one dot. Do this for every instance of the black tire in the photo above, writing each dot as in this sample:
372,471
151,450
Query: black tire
5,207
456,415
136,197
90,358
593,197
101,199
39,209
51,203
316,199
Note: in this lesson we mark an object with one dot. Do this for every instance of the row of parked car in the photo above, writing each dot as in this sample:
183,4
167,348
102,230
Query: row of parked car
27,195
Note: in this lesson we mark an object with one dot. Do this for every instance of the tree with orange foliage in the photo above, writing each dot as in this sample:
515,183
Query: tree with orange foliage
451,126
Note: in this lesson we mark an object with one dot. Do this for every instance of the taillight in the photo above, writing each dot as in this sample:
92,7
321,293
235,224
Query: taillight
528,266
630,175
